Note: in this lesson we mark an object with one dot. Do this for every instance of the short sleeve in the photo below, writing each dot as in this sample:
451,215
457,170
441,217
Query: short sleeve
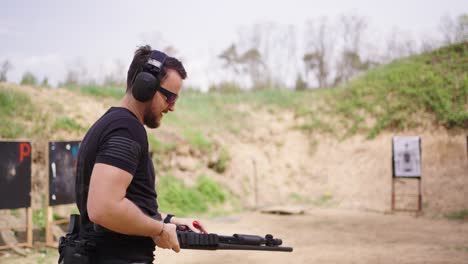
119,150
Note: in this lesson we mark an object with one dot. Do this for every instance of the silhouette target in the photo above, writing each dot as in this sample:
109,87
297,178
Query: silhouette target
407,156
62,170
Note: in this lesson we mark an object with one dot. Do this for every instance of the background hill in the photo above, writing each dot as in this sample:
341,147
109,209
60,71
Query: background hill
231,150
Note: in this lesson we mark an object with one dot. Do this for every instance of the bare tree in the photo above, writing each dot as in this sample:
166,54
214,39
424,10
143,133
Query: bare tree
447,29
253,66
71,79
231,61
352,29
315,63
284,61
6,66
117,76
462,28
277,46
253,41
45,82
454,30
398,44
429,43
320,46
76,73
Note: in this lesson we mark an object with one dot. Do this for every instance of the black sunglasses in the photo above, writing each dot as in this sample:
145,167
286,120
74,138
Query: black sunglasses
170,96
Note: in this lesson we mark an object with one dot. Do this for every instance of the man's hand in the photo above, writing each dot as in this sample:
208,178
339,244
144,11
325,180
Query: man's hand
198,228
168,238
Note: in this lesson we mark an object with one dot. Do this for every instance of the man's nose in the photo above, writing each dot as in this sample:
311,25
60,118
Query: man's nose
171,107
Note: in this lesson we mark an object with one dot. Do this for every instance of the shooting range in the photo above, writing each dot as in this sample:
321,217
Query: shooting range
338,127
406,180
62,161
15,186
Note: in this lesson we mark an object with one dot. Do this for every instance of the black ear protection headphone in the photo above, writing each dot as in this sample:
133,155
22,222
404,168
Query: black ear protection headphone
147,81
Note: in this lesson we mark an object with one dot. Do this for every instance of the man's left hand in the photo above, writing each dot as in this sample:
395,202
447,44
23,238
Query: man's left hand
194,225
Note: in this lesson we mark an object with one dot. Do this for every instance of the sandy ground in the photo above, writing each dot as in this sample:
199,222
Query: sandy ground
323,236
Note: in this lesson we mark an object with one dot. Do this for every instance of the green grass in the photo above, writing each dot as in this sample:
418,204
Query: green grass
15,212
99,91
39,219
395,95
222,162
198,115
15,109
159,147
210,190
459,215
209,109
324,200
67,124
177,198
295,197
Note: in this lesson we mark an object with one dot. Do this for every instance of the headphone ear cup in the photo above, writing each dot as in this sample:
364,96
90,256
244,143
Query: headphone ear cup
144,86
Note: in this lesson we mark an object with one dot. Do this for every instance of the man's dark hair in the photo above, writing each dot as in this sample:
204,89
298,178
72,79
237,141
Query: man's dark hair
141,57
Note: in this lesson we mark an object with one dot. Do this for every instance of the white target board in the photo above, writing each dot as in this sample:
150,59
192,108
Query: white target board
407,156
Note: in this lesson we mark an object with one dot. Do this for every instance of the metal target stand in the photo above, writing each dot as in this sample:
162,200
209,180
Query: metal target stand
419,206
406,164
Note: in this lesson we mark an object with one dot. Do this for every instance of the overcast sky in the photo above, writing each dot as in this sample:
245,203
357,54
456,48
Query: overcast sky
50,37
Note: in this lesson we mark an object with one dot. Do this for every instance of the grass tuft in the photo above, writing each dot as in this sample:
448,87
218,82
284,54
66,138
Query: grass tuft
176,197
459,215
15,110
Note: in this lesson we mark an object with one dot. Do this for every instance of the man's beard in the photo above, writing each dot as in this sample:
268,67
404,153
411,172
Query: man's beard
149,118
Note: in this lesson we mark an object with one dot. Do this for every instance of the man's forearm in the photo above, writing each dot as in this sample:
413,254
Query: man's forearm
125,217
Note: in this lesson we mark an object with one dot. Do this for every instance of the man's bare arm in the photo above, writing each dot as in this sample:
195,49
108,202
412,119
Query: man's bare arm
108,206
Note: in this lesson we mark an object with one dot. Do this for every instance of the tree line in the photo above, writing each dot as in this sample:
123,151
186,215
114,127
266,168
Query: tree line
331,53
268,55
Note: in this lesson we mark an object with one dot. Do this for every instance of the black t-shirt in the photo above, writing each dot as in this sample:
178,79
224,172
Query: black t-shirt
118,139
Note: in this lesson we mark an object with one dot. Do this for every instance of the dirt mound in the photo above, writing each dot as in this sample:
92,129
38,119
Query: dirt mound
273,163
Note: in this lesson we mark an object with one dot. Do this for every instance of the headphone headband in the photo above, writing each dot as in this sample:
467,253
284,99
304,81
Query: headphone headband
157,59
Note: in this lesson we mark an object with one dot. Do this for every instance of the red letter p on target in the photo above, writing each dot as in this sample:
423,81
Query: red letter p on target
25,151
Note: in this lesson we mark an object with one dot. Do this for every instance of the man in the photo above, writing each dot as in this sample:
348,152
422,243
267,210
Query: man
115,185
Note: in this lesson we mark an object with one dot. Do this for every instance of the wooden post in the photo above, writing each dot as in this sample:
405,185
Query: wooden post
420,196
29,226
393,193
255,182
49,236
49,213
29,214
